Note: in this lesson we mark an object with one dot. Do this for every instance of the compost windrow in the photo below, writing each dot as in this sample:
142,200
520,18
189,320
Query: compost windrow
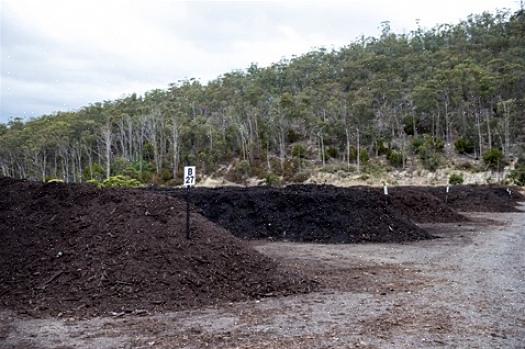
77,250
305,213
479,198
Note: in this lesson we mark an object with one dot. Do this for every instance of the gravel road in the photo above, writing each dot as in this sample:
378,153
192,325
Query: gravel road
466,290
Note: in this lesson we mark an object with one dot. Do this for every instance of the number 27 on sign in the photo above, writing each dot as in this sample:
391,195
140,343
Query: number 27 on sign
189,176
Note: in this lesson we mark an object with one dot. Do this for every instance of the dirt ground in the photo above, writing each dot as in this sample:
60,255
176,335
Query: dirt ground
466,289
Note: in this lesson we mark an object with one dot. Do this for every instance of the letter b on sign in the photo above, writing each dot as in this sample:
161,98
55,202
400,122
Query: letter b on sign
189,176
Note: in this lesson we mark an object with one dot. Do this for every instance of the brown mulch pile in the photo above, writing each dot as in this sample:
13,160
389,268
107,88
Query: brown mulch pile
479,198
77,250
422,207
305,213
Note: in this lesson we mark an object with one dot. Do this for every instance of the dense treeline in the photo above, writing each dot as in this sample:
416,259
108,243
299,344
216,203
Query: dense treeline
454,88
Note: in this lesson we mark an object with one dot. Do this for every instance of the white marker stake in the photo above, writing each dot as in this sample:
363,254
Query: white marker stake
448,189
385,189
190,176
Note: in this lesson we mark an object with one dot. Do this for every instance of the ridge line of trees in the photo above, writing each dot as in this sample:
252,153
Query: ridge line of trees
452,88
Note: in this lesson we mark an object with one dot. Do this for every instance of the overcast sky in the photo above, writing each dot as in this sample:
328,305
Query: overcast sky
61,55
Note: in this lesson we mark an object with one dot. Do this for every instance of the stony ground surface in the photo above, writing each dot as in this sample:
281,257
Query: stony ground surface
466,289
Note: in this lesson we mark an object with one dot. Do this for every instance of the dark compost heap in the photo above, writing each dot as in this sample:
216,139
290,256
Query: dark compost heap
74,249
422,206
482,198
305,213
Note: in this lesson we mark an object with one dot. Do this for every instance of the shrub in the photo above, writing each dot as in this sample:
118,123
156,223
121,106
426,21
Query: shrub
293,136
382,148
54,180
408,124
363,155
166,174
299,151
300,177
395,158
417,143
455,179
362,152
464,146
97,171
272,180
424,144
431,162
493,159
331,152
517,176
119,181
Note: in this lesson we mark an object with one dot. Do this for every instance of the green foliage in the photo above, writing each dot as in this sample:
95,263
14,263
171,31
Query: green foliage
382,148
493,159
431,162
374,170
423,145
166,174
239,172
409,124
119,165
96,172
363,155
299,151
395,158
272,180
455,179
331,152
428,150
300,177
293,136
54,180
362,152
381,89
118,181
517,176
464,145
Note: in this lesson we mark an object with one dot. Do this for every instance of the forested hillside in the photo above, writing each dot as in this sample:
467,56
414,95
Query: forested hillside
423,95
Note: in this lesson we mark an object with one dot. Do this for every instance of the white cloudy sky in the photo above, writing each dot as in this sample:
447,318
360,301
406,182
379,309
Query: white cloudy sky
61,55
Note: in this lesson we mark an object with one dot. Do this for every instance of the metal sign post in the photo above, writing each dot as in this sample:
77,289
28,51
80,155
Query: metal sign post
189,181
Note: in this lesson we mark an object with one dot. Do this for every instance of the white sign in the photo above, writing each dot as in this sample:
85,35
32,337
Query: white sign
189,176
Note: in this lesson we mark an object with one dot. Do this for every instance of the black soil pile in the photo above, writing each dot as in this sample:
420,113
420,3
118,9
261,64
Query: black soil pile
422,207
473,198
77,250
305,213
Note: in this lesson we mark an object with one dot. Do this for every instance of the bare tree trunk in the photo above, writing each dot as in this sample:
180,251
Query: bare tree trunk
44,165
489,131
175,146
358,152
90,162
268,164
347,132
506,128
107,136
55,168
447,122
480,139
321,140
79,158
